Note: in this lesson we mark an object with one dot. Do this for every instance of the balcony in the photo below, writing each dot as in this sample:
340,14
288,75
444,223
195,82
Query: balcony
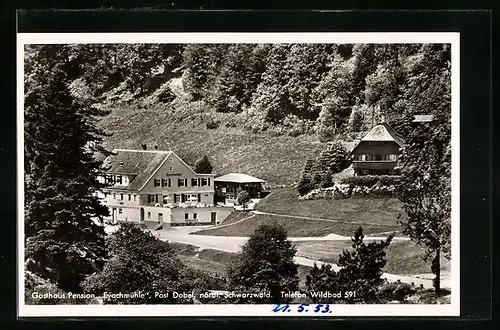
179,205
374,164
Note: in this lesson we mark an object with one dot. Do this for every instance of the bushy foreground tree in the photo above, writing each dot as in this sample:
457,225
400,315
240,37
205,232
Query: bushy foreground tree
139,263
360,272
266,265
62,230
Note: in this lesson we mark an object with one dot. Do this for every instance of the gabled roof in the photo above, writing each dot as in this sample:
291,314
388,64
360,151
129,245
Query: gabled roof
382,132
238,178
139,163
126,161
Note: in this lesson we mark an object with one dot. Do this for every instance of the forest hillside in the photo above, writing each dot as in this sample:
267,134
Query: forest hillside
262,109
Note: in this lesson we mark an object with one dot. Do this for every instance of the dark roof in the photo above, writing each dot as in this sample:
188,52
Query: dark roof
423,119
238,178
382,132
139,163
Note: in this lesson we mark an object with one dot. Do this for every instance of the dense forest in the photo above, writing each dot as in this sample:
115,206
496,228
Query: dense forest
295,89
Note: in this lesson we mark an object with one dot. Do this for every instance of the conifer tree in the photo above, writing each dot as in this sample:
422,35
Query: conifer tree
63,233
360,271
203,165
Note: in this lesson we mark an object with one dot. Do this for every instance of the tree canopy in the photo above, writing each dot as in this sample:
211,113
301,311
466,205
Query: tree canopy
266,265
63,222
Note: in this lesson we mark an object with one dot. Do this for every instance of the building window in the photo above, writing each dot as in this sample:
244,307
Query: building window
186,216
195,215
151,198
114,196
135,196
149,215
209,181
119,179
170,182
181,182
194,182
129,197
160,217
157,182
171,168
393,157
120,211
190,197
204,182
121,197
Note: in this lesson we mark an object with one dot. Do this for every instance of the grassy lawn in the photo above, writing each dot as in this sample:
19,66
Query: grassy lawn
217,262
236,216
214,262
403,257
296,227
369,210
277,159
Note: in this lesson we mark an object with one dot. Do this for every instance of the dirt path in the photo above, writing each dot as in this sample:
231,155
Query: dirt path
233,244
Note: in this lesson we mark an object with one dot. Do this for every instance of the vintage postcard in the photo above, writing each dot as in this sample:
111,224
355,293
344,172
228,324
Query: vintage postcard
238,174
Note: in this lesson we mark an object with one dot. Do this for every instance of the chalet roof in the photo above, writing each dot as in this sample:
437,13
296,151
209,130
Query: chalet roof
423,119
139,163
382,132
238,178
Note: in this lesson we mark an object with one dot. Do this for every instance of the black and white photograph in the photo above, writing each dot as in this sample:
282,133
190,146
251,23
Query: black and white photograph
265,174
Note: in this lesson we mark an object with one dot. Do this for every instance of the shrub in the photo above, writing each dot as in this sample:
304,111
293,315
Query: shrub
243,198
361,181
325,134
166,96
212,124
390,180
395,291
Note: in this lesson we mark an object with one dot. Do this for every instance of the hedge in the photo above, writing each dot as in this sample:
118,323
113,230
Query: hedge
371,180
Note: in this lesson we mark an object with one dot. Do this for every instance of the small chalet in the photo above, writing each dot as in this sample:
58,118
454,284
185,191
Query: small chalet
228,186
378,151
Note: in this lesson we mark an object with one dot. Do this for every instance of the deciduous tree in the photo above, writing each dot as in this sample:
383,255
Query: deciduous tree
266,265
139,263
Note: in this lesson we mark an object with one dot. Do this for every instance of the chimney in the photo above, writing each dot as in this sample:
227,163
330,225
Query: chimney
144,146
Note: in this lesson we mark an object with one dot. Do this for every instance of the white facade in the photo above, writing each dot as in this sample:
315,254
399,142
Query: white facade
171,193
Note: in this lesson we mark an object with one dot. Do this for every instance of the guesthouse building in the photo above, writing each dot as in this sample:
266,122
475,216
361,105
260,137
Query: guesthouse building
378,151
148,186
